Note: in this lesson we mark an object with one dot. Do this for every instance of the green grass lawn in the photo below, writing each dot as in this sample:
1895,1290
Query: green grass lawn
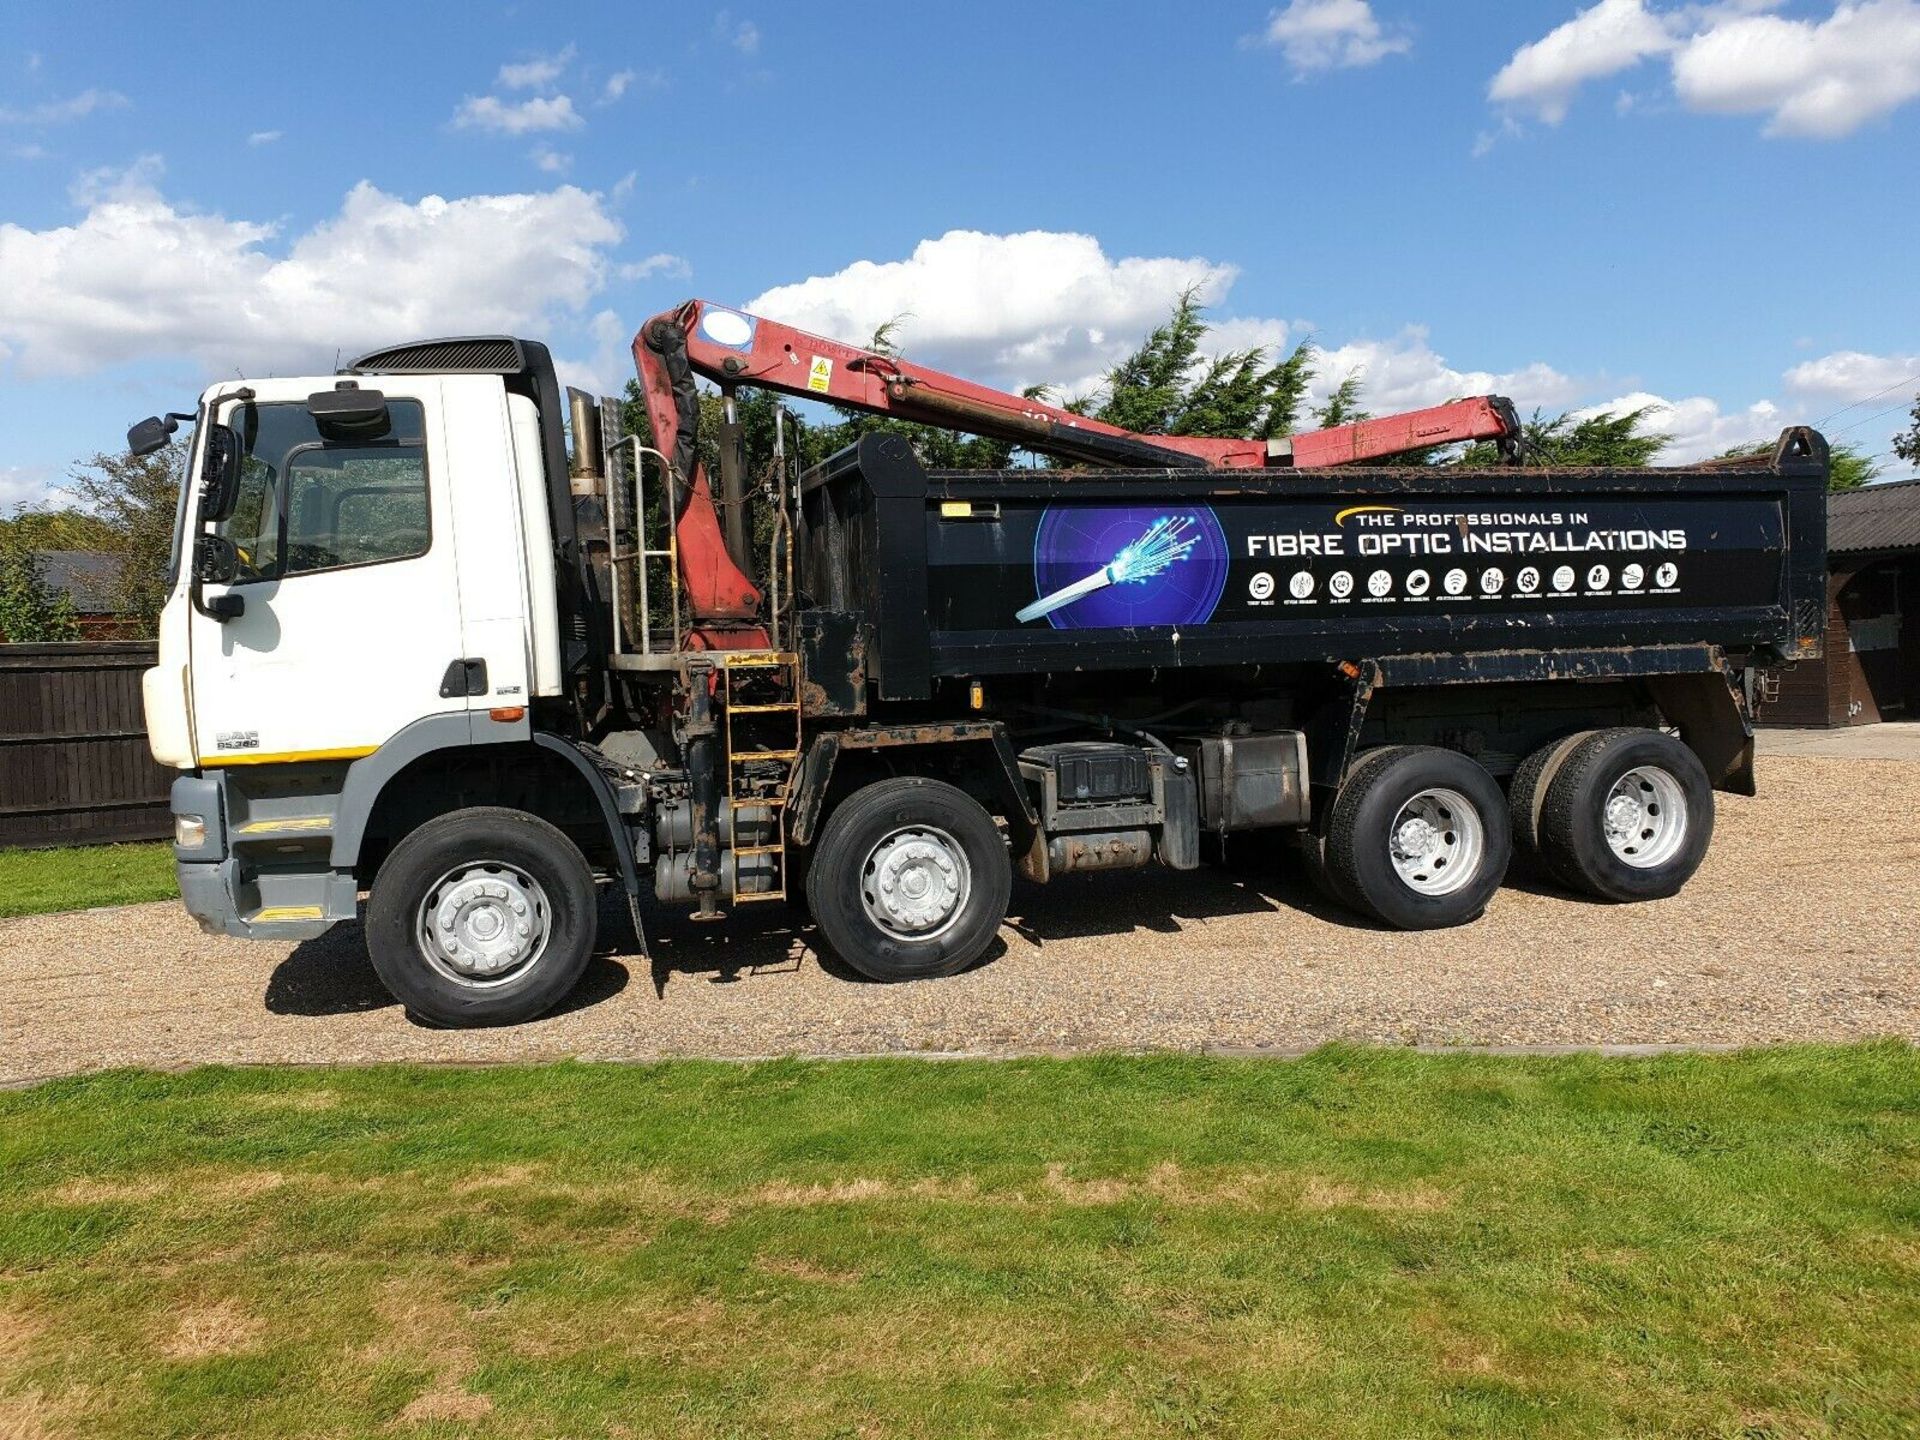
33,882
1355,1244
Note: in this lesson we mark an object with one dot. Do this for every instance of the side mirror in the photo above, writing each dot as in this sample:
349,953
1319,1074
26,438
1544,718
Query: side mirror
216,560
151,435
220,473
359,413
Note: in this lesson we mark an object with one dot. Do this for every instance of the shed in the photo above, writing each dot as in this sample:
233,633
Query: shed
1871,668
91,580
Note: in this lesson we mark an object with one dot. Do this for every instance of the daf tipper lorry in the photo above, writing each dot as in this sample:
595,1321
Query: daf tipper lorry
419,651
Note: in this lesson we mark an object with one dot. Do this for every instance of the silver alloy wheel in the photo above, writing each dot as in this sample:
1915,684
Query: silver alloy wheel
1436,842
1645,817
483,923
916,882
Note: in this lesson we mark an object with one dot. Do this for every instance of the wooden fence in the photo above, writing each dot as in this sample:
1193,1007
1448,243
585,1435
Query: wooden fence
74,767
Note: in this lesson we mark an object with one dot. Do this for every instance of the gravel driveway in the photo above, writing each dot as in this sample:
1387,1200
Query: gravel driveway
1803,925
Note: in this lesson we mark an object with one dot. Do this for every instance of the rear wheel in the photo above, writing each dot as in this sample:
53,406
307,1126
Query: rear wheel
1312,844
910,880
1628,817
1419,838
485,916
1527,791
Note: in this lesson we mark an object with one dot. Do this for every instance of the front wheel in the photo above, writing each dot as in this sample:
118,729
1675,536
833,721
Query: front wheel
1628,816
485,916
1418,838
910,880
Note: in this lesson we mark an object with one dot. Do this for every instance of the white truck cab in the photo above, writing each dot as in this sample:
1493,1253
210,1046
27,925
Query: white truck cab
364,585
367,563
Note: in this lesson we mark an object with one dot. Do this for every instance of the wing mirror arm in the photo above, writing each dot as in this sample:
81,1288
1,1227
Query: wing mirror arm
215,559
215,562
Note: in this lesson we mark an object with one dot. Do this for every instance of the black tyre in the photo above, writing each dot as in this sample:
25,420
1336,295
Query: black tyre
482,917
909,880
1312,844
1628,817
1419,838
1527,791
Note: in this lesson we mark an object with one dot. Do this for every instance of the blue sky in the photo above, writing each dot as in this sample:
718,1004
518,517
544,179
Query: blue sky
1709,206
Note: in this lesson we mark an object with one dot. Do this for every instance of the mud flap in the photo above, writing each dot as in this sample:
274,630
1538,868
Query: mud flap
1709,712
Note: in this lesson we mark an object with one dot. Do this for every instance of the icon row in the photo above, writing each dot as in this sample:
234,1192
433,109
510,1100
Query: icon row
1492,581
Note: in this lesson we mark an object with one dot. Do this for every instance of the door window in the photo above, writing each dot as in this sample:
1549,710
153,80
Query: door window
312,501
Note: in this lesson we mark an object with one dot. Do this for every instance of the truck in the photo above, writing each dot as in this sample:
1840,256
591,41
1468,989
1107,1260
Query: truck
451,652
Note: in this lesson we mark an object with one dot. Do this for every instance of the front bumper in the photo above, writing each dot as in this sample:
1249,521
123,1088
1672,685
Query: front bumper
253,890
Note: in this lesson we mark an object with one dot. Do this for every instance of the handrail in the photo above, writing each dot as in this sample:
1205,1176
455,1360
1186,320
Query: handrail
642,553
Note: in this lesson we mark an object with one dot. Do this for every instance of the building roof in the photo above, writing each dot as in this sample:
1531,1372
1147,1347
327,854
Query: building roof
90,578
1874,518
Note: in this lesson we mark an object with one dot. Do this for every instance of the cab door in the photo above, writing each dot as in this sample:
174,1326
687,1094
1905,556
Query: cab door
351,613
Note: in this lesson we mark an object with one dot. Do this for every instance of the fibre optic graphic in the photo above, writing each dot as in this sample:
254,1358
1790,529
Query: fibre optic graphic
1104,566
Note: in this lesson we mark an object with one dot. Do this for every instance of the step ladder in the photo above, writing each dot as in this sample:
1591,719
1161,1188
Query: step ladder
760,698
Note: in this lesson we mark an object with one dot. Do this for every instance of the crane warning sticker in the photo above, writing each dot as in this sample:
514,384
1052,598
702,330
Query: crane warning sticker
820,375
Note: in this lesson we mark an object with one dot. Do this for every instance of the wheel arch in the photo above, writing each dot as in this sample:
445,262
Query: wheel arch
433,767
1691,687
840,761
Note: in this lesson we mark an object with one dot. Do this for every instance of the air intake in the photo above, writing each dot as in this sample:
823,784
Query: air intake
473,354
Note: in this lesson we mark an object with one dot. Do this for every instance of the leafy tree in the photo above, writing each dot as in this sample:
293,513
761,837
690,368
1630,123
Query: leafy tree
1907,446
135,498
1343,405
31,611
1164,387
62,529
1613,439
1851,469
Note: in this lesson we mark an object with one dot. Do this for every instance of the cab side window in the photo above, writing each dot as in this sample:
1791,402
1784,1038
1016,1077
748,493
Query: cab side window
356,507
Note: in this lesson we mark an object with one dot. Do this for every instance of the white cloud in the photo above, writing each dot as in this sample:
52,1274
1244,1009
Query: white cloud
1820,79
1011,310
58,112
1053,308
1406,373
24,485
1697,428
1050,308
27,152
608,369
264,137
1817,78
552,161
537,73
742,35
489,112
139,276
1611,36
671,266
1857,398
1850,375
1329,34
619,83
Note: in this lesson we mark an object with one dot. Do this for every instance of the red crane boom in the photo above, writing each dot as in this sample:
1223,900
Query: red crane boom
731,347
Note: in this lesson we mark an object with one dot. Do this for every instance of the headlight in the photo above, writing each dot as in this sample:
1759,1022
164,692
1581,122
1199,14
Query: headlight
189,831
